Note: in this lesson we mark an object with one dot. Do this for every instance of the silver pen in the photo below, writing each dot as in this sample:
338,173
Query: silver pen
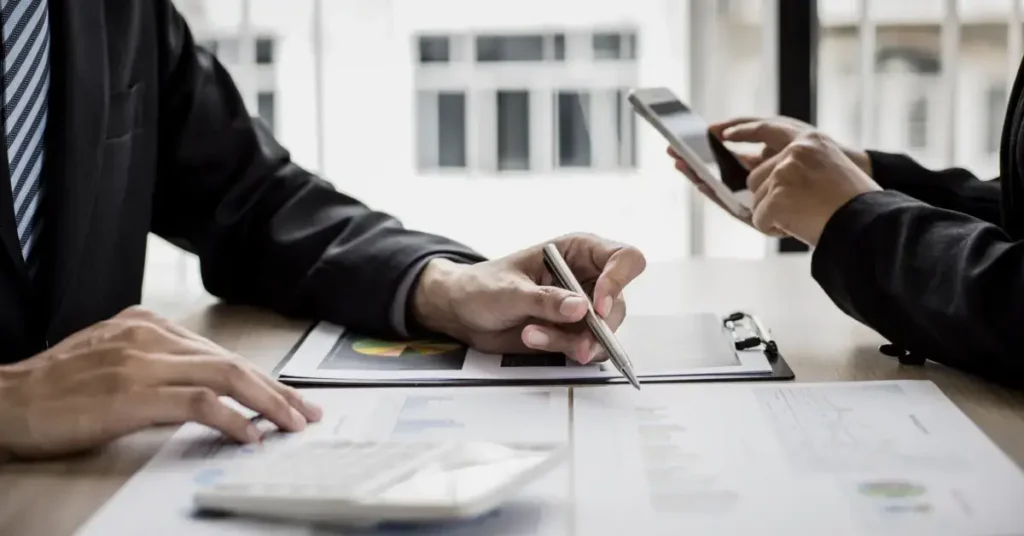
564,277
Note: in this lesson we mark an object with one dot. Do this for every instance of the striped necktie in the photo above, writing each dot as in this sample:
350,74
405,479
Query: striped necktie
26,68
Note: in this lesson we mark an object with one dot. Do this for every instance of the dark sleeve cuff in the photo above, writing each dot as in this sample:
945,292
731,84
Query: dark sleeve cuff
895,171
842,249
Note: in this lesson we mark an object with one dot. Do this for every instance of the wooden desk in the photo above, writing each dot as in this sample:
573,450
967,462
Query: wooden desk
819,342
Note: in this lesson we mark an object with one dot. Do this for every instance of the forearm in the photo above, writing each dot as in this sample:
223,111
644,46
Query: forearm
268,232
953,189
942,284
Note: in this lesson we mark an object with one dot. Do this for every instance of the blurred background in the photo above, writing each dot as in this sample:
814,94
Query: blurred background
501,124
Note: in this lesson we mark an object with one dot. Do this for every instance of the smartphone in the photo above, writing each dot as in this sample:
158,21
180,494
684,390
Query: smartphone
687,133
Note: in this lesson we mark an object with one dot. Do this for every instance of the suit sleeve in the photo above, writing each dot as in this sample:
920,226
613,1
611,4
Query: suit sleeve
954,189
942,284
267,232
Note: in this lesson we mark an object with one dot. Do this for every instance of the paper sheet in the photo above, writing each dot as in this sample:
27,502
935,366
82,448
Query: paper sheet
868,458
157,501
852,458
667,346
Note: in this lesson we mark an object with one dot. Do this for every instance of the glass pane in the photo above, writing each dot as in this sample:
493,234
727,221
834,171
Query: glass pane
607,46
451,111
433,49
909,108
573,134
510,48
560,47
264,51
513,130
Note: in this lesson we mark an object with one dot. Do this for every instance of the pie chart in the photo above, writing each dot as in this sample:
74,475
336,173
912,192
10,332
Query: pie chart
379,348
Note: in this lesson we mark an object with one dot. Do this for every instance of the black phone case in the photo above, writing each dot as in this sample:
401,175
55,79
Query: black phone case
733,173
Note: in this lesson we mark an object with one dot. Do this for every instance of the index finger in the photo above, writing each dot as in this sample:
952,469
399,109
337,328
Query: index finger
719,127
622,267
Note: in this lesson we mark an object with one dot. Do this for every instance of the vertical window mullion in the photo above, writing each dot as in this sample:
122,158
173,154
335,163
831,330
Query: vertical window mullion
1015,43
950,72
868,31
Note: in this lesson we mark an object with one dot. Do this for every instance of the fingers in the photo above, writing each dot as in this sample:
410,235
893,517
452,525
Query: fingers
622,267
547,303
236,379
220,375
773,134
79,423
175,405
578,345
761,173
764,217
717,129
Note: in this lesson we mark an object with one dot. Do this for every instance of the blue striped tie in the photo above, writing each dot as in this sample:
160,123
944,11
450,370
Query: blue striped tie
26,67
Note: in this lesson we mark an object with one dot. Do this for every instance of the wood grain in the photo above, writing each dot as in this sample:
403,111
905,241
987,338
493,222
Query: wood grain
819,342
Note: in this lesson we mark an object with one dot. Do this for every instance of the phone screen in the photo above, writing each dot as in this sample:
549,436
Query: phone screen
692,130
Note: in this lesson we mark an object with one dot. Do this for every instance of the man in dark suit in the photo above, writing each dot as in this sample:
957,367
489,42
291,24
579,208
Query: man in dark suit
116,125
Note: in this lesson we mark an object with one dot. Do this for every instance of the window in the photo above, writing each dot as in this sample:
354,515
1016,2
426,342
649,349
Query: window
434,49
917,123
559,43
614,46
571,129
513,130
441,129
492,48
265,105
560,110
995,111
451,112
264,51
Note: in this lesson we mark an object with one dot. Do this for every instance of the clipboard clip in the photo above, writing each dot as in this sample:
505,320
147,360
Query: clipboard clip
760,336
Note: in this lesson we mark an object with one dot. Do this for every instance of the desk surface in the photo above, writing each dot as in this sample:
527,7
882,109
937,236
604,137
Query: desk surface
819,342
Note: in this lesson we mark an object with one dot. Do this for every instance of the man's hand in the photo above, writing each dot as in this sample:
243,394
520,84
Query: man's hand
510,304
130,372
800,188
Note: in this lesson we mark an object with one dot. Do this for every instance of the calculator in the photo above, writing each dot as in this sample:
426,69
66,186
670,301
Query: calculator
366,483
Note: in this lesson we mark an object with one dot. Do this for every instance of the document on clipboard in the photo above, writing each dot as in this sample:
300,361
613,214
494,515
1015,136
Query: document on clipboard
691,347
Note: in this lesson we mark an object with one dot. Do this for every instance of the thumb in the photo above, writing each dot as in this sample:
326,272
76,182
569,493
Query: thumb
550,304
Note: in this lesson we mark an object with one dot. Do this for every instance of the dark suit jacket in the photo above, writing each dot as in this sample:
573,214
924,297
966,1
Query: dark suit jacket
148,133
935,263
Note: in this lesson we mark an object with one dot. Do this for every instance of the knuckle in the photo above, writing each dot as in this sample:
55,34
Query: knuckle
202,402
233,372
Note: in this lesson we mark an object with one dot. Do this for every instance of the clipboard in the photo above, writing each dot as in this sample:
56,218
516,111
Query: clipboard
744,333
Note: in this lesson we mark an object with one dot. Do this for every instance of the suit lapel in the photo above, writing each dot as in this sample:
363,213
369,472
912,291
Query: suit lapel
78,121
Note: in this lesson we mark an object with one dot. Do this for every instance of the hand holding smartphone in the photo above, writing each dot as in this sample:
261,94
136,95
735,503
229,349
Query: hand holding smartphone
713,164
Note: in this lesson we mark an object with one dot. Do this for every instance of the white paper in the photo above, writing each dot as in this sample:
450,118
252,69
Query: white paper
850,458
680,346
157,501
